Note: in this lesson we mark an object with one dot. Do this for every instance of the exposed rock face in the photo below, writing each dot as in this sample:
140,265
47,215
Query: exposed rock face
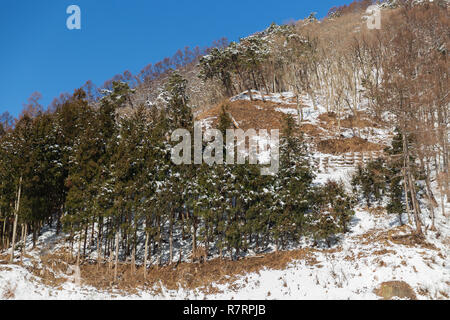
400,289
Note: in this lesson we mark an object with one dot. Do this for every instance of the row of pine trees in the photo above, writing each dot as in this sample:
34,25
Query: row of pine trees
106,180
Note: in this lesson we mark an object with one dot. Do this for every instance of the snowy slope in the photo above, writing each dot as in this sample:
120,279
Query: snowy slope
376,250
352,270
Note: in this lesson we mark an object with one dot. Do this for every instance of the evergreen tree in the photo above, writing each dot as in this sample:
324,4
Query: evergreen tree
333,209
395,177
371,180
292,186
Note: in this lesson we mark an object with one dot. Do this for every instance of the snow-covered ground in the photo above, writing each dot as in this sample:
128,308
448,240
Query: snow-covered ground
352,272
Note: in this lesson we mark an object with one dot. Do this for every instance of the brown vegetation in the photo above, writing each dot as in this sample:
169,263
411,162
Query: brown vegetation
249,114
400,289
363,120
376,211
190,276
412,240
402,235
344,145
54,271
9,291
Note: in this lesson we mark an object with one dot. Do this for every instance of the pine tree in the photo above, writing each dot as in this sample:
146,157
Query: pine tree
87,150
332,211
371,180
395,178
293,186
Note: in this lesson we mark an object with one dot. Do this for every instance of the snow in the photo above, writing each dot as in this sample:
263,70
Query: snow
282,97
287,110
352,271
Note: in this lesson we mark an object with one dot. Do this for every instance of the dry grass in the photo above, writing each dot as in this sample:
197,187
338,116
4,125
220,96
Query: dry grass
376,211
9,292
312,130
249,114
345,145
412,240
263,115
390,289
383,252
330,121
255,115
402,235
54,271
189,275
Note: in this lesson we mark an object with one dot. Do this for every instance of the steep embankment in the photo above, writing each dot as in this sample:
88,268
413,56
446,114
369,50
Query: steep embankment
378,258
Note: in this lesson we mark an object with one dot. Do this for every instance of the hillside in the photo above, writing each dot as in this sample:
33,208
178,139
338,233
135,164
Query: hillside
378,258
377,251
96,201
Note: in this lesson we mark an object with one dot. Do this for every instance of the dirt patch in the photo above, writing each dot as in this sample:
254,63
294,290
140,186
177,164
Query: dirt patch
4,258
390,289
362,121
345,145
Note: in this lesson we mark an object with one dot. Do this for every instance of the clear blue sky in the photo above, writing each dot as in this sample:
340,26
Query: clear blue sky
38,52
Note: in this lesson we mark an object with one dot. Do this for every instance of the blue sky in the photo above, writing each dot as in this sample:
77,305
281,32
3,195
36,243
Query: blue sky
39,53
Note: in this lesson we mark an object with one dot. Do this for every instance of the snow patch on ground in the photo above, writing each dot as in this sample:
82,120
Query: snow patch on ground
356,266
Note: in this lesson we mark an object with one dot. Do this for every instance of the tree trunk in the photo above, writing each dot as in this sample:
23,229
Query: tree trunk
442,200
79,248
16,218
415,203
133,260
146,254
58,222
405,188
159,244
299,109
116,255
313,98
432,203
24,241
99,244
4,237
171,239
411,184
194,238
85,240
